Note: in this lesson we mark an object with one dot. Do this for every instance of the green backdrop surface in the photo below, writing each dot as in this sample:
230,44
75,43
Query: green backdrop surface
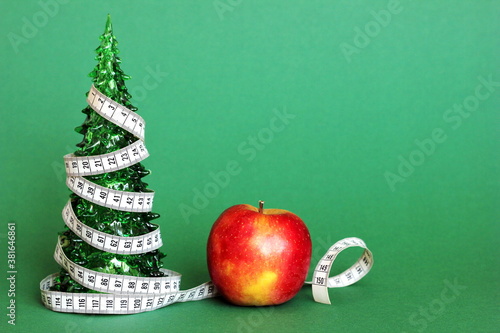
376,119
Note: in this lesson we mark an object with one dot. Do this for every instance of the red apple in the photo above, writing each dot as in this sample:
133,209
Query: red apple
258,256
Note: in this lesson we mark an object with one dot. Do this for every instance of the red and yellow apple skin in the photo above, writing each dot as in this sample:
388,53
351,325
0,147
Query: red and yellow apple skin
258,257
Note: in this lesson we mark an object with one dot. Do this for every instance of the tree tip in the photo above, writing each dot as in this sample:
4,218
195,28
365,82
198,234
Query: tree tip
109,26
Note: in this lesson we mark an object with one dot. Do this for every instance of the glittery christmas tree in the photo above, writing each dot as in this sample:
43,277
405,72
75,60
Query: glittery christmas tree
100,136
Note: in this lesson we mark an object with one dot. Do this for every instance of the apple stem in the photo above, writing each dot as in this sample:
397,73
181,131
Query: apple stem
261,206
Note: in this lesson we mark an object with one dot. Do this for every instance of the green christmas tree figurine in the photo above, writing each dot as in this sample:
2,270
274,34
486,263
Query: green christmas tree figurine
109,251
100,137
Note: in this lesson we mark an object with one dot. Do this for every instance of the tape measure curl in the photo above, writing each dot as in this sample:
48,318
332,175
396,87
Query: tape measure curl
321,280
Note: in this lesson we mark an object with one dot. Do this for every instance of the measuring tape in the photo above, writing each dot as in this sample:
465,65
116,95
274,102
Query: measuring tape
124,294
321,282
109,198
94,165
116,113
111,243
119,303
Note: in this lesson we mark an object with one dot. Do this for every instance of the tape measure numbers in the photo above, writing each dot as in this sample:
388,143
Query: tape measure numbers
103,196
111,243
116,113
321,280
117,303
94,165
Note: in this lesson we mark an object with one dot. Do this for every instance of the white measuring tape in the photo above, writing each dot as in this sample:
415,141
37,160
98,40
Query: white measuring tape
111,243
321,282
116,113
124,294
103,196
94,165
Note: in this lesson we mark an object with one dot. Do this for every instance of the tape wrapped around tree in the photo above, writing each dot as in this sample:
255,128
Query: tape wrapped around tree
111,245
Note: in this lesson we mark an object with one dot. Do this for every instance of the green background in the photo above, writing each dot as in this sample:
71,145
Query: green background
207,80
